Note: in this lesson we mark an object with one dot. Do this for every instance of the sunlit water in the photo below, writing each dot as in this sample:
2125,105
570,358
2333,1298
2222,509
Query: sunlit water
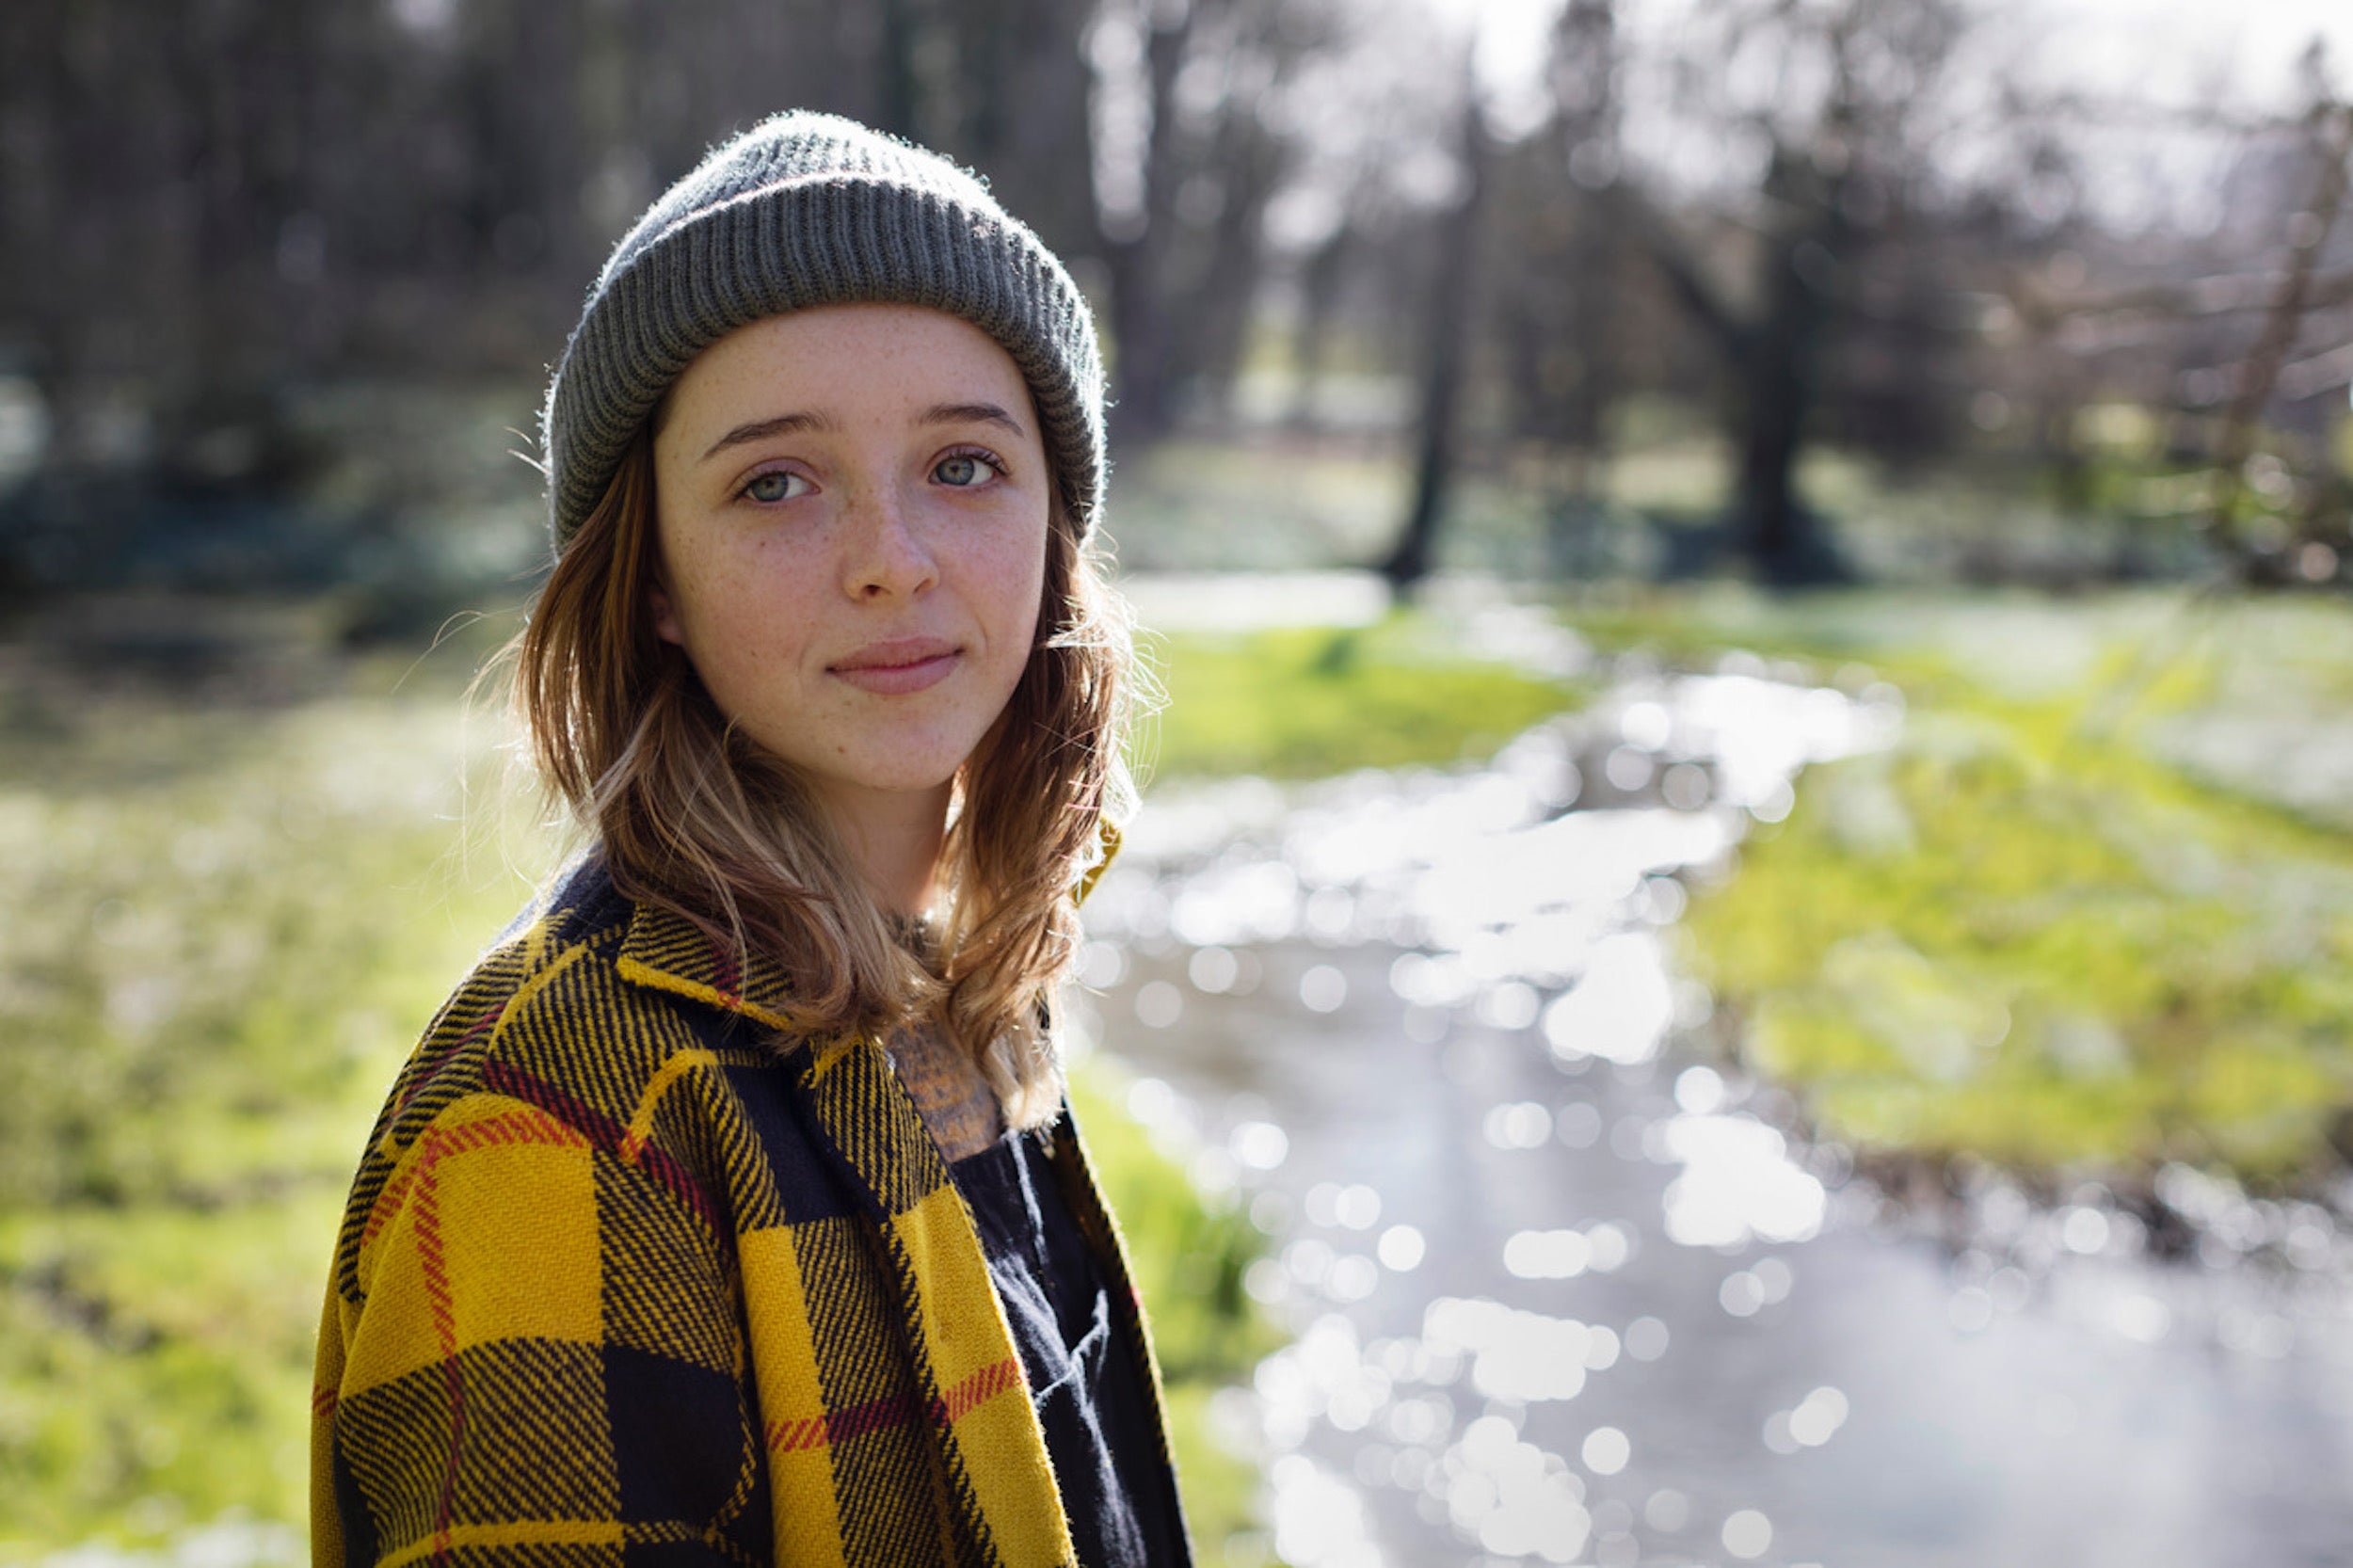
1565,1292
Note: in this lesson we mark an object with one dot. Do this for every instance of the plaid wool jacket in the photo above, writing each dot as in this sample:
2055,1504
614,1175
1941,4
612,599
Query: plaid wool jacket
628,1277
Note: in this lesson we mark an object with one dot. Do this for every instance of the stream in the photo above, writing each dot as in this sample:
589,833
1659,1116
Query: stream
1565,1288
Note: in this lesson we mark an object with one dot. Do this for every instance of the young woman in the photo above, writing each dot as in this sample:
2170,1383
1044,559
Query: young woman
728,1210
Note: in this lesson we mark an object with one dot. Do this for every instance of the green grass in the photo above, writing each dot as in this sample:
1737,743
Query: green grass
1190,1254
229,927
1305,702
2027,935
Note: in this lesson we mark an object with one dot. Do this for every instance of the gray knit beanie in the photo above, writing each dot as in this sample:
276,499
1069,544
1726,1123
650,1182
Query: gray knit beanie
811,209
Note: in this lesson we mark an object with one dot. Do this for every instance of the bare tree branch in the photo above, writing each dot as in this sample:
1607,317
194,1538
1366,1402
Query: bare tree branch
2309,232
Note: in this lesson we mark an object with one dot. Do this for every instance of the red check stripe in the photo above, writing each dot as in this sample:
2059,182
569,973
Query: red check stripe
839,1426
605,1132
513,1128
984,1385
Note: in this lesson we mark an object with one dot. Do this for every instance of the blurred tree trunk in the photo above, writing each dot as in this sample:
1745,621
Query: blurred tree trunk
1585,156
1839,159
1023,96
1774,358
1249,163
1184,270
1137,260
1777,353
1444,347
1780,371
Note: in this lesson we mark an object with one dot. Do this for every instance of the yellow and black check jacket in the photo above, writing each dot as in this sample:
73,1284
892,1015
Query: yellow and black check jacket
630,1275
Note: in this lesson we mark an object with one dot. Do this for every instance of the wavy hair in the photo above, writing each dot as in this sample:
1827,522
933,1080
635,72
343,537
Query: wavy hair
694,817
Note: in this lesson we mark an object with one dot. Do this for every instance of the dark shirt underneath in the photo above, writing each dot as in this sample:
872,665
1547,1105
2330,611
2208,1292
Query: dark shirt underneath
1090,1396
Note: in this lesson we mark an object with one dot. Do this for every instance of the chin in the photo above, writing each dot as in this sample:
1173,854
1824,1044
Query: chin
899,776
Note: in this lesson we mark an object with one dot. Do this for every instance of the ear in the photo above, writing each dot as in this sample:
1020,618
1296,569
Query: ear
665,621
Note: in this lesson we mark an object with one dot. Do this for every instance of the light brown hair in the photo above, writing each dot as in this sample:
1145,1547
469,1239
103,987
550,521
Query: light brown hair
692,816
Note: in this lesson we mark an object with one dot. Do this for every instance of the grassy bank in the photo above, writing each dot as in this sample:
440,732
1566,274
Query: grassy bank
2048,931
1308,703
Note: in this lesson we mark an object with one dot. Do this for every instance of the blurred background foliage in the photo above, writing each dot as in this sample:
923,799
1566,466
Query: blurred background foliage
1853,336
279,281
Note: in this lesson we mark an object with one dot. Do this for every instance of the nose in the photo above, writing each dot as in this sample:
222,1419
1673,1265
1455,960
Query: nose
884,554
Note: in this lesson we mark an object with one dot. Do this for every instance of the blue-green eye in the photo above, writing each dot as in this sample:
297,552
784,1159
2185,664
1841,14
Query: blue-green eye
964,470
778,485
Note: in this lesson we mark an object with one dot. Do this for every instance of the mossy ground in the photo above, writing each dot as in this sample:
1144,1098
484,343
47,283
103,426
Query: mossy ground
1306,703
2033,934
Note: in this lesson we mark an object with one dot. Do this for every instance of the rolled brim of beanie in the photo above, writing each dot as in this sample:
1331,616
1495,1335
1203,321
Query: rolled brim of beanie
819,239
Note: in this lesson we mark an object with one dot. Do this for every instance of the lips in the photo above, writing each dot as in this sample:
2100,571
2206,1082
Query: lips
898,666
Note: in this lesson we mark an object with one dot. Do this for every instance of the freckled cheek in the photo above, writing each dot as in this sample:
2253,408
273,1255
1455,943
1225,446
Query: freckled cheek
744,615
1009,578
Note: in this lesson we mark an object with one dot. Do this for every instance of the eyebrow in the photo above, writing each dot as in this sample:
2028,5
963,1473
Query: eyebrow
970,414
761,429
786,424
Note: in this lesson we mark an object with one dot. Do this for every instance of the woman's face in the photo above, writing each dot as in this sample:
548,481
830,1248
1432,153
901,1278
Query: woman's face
852,506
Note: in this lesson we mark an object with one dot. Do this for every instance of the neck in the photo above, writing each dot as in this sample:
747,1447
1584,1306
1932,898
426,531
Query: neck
894,840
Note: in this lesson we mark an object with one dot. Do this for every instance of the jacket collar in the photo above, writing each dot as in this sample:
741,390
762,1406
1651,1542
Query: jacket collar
666,951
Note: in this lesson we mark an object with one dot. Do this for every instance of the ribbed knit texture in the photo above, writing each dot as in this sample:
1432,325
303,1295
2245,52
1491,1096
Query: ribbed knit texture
803,210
